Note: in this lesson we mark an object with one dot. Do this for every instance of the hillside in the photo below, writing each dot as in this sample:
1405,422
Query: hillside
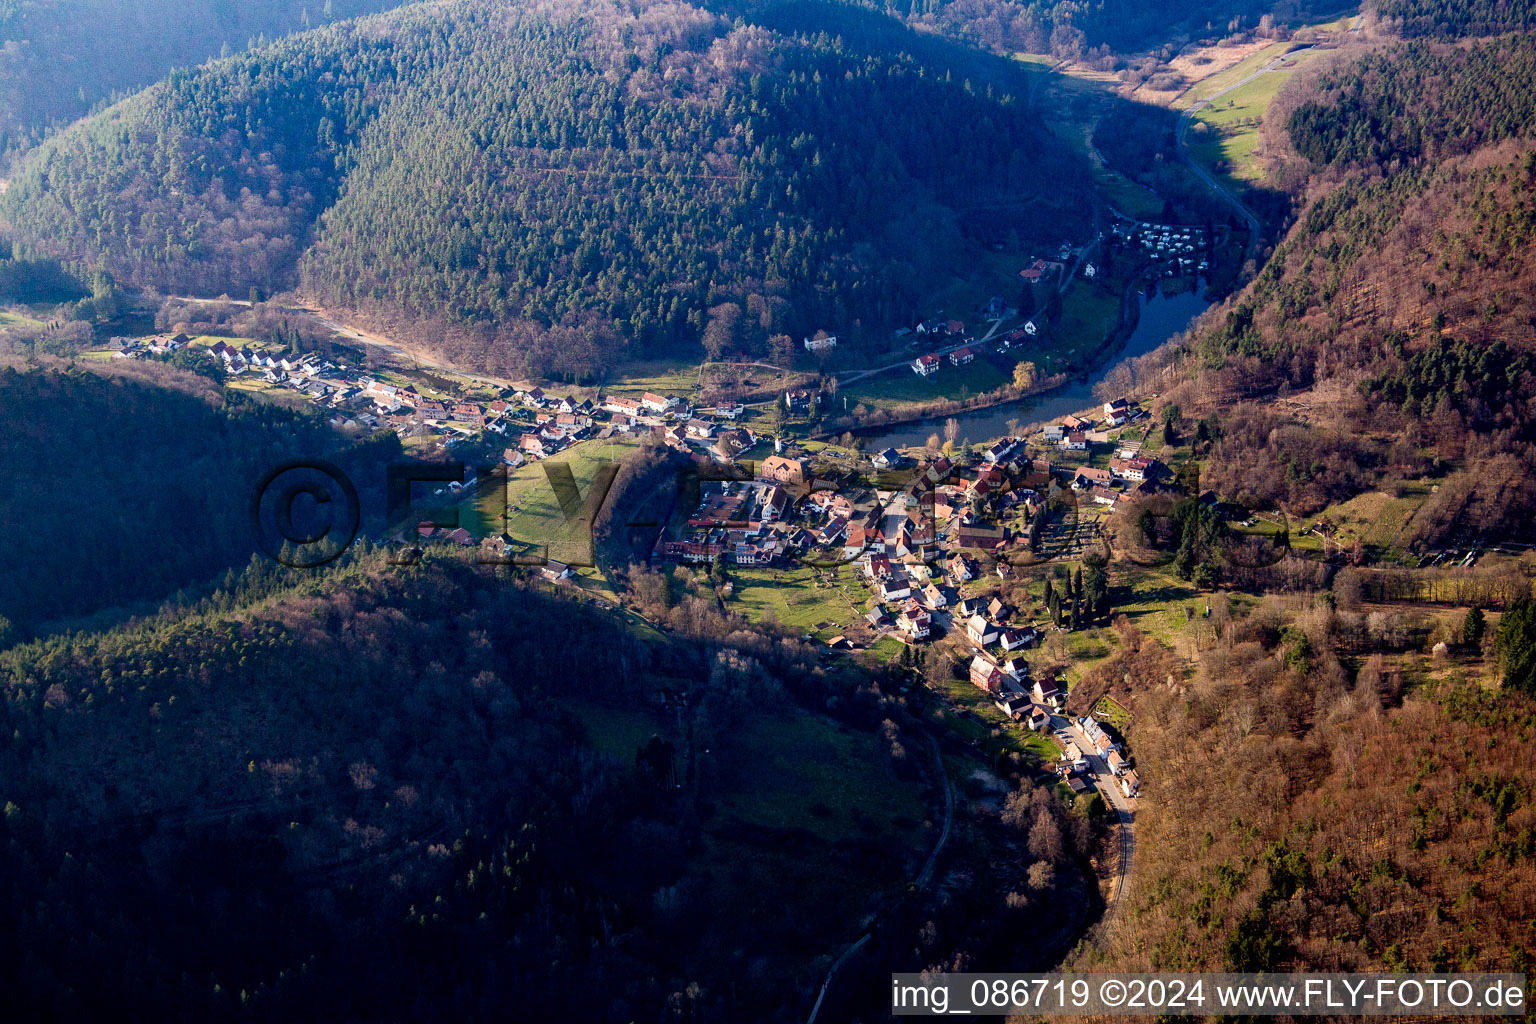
1354,812
490,172
108,500
404,796
61,57
1395,320
1455,18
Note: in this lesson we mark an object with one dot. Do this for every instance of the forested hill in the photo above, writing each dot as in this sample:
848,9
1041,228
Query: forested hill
1395,320
617,170
109,503
1453,18
60,57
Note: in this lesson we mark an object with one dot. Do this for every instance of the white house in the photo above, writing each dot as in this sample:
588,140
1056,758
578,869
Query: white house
821,341
981,631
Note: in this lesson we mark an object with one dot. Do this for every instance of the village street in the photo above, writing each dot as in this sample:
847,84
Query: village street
1109,786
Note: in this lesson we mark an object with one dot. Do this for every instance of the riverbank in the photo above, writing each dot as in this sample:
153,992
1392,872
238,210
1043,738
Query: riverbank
1147,322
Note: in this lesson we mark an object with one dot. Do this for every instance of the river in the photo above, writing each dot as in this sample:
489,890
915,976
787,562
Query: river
1162,316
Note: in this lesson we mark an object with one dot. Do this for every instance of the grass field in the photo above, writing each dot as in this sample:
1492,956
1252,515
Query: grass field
533,514
1224,136
1375,518
1225,79
1089,313
822,602
18,320
901,386
664,377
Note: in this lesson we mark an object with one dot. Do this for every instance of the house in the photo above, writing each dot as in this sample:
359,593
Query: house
988,675
876,618
1031,328
926,366
887,459
1136,468
981,631
781,470
658,403
1130,785
979,535
1014,705
619,405
915,622
1054,432
774,504
461,537
1039,718
1118,407
512,457
934,597
1102,742
797,401
996,308
554,571
968,607
730,412
702,429
961,356
1000,451
1078,785
895,589
959,569
1076,423
1048,691
821,341
1115,762
1090,476
953,327
1075,442
996,609
533,445
1013,639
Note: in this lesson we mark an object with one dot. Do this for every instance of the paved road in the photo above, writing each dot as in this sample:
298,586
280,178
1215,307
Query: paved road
1205,175
1105,780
